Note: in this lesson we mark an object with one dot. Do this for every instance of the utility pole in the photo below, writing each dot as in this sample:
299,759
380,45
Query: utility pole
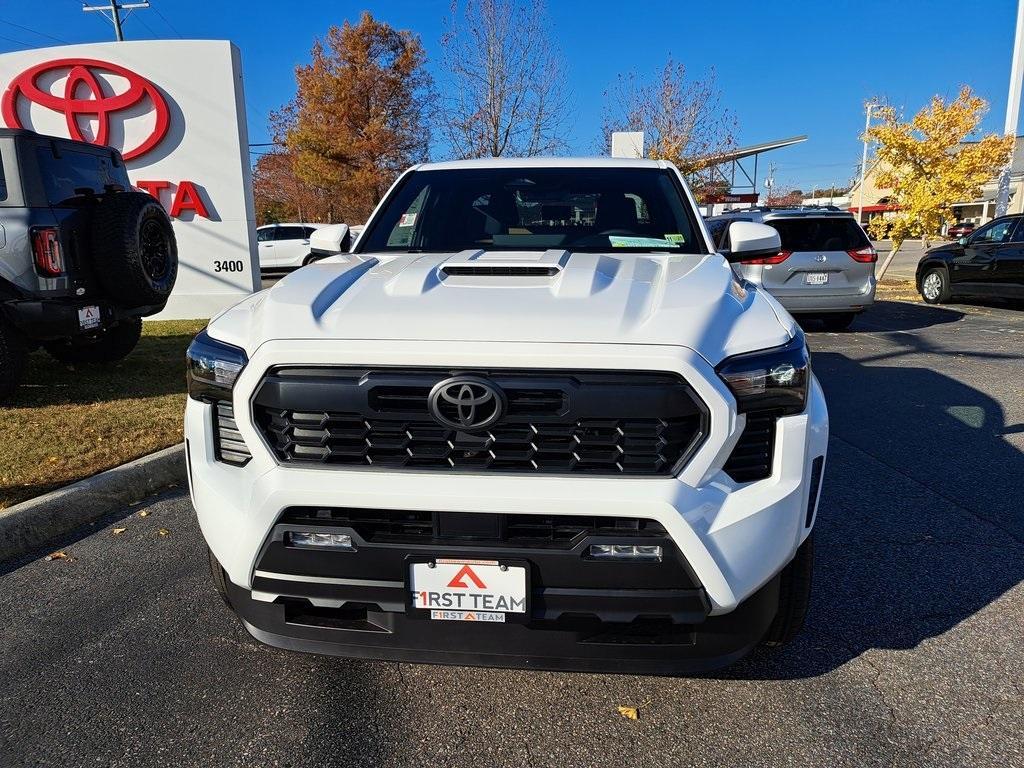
864,160
1012,109
114,13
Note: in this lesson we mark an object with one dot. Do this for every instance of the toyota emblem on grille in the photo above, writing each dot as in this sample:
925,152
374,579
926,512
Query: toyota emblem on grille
466,402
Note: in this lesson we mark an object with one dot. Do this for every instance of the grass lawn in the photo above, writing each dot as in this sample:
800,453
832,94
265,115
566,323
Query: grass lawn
66,424
897,290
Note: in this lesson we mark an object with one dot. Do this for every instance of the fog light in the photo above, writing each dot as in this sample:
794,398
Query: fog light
625,551
322,540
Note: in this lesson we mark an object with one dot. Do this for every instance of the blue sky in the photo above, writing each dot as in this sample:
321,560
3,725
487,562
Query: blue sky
784,67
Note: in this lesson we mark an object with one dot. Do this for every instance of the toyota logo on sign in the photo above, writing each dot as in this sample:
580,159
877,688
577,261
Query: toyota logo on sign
87,96
466,402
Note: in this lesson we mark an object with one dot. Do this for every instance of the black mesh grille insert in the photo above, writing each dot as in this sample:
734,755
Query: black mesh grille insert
751,459
612,423
401,526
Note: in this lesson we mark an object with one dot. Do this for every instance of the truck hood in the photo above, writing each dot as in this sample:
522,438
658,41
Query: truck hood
555,296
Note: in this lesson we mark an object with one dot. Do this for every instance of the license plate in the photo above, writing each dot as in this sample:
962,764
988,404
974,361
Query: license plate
467,590
89,317
817,278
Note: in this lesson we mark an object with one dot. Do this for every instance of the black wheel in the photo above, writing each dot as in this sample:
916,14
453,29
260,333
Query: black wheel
114,344
13,358
840,321
794,596
934,286
310,259
218,577
134,249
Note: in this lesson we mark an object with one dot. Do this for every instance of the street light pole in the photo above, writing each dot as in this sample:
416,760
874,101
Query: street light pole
1012,109
864,158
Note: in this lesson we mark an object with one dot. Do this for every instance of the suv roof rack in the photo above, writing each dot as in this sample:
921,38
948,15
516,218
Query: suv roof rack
777,208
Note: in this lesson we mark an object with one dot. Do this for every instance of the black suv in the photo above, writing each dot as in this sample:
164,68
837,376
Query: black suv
989,262
83,256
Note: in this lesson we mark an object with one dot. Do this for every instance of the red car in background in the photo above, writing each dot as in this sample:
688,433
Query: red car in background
960,229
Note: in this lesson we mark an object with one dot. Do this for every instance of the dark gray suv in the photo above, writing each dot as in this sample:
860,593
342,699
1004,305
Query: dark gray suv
83,256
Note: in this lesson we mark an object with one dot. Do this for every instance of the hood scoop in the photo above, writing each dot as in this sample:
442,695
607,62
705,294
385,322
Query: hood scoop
483,263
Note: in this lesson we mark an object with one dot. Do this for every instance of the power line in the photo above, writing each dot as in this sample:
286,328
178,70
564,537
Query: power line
113,12
177,34
33,31
18,42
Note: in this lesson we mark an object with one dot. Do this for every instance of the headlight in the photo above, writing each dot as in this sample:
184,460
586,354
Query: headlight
212,368
770,379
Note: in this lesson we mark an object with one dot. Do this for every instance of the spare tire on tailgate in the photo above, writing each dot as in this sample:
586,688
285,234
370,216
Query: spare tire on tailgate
134,250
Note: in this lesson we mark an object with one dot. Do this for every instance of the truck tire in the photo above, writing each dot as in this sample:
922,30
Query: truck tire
115,344
13,358
134,249
217,576
794,597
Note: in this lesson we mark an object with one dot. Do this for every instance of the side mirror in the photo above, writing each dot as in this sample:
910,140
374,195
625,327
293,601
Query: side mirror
748,240
962,240
330,240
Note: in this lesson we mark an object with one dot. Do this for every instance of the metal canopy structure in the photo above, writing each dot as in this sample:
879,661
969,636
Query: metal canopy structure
724,166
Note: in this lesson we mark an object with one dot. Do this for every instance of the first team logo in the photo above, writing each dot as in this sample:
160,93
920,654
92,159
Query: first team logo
87,96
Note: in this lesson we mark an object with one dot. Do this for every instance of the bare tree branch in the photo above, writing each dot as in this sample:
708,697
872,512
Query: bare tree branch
507,93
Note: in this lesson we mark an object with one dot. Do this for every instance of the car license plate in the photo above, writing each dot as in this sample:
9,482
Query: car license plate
89,317
817,278
468,590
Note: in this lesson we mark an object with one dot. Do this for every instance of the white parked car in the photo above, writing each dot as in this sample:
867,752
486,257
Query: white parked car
284,246
533,419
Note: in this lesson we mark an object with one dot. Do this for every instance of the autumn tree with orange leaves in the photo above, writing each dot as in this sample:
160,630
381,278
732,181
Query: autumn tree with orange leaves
359,117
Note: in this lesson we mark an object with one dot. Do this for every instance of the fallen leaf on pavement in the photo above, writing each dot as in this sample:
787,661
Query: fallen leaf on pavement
57,556
119,530
164,532
629,713
144,513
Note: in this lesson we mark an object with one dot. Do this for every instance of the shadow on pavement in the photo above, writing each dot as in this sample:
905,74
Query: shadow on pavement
893,316
920,523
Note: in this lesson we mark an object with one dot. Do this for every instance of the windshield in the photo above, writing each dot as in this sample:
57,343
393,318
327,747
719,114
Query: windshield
582,209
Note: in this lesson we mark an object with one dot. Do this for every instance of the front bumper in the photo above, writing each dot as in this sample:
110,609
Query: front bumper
734,537
573,645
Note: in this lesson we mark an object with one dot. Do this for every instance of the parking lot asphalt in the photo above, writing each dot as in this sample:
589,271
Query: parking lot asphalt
121,654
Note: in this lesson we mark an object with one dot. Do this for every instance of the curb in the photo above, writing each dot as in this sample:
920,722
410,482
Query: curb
32,523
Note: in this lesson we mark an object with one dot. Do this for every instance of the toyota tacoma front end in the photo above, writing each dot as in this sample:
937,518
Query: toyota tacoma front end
533,420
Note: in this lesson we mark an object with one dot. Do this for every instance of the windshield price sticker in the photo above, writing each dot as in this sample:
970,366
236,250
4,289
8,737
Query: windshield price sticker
619,241
465,590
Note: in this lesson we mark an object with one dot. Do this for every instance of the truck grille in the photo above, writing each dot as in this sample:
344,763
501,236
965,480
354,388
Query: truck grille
605,423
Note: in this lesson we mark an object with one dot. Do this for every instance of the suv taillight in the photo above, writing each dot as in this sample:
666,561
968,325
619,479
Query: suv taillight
778,258
864,255
46,249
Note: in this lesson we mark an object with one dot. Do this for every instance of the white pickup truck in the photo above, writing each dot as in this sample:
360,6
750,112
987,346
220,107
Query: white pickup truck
531,418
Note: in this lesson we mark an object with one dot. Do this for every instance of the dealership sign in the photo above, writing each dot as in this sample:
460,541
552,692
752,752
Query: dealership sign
183,143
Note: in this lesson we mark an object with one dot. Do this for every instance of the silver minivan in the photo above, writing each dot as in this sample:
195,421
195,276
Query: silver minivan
826,267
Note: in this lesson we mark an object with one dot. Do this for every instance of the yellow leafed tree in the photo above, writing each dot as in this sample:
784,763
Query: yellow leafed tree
929,164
